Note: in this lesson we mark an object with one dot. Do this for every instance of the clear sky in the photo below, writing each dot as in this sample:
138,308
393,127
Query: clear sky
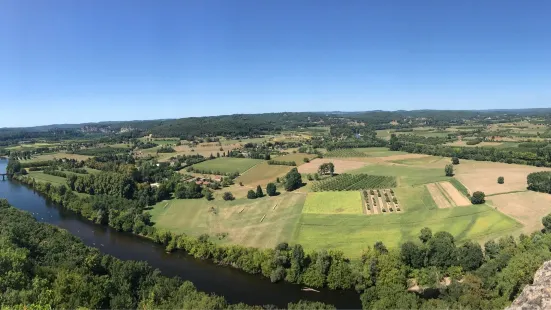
70,61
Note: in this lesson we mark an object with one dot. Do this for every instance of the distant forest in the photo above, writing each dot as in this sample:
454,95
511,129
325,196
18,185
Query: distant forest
256,124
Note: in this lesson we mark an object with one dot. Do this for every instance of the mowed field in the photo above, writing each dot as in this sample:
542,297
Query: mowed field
333,203
526,207
353,233
482,176
228,164
263,174
51,156
40,176
262,222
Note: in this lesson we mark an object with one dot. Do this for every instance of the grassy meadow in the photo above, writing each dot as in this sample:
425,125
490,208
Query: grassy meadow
333,203
40,176
228,164
262,222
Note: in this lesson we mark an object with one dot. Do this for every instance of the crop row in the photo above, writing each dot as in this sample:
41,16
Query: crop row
347,182
345,153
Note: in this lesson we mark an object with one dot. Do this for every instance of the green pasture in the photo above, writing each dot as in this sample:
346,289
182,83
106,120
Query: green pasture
263,173
379,151
406,175
228,164
354,233
262,222
40,176
333,203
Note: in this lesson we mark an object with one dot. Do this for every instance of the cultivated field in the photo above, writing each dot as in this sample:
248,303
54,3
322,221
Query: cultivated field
482,176
333,203
353,233
262,223
406,175
345,153
341,166
228,164
263,174
347,182
526,207
297,157
484,143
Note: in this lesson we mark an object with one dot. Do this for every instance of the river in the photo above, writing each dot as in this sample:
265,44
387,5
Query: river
235,285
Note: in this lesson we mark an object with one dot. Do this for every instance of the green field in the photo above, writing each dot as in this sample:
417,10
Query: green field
345,153
40,176
349,182
333,203
263,174
379,151
354,233
297,157
248,222
406,175
228,164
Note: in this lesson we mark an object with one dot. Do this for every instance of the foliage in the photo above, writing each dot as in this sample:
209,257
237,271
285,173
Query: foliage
259,192
455,160
228,196
293,180
326,168
250,194
345,182
449,170
500,180
271,189
540,181
281,162
478,198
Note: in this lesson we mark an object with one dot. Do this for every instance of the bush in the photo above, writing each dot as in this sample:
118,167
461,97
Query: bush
271,189
251,194
228,196
449,170
478,198
455,160
306,160
501,180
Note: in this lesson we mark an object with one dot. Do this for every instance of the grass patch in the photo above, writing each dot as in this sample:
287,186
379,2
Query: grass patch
354,233
40,176
459,186
333,203
228,164
51,156
239,218
407,175
415,198
263,174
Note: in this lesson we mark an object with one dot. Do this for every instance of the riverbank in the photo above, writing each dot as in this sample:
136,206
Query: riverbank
235,285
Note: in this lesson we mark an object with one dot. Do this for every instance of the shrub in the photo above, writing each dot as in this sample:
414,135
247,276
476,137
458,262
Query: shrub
449,170
395,200
501,180
271,189
478,198
228,196
251,194
306,160
455,160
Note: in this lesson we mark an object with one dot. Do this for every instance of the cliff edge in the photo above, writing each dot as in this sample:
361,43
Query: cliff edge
538,295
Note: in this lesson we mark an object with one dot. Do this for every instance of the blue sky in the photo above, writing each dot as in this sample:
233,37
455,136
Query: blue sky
92,60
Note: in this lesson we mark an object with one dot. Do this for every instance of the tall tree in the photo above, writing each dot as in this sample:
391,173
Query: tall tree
293,180
259,192
271,189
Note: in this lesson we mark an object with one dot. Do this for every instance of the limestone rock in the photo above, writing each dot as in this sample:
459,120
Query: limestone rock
538,295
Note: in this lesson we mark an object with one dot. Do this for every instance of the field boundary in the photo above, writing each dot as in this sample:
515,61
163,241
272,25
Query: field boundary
511,192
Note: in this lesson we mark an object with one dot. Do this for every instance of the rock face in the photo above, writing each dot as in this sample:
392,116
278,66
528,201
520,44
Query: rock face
538,295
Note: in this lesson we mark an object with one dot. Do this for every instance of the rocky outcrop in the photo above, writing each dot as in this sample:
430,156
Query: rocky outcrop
538,295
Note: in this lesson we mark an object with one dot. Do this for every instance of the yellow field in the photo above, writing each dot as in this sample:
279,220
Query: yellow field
526,207
333,203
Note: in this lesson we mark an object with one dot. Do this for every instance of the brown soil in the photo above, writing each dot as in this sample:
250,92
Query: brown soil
482,176
341,166
454,194
438,197
527,207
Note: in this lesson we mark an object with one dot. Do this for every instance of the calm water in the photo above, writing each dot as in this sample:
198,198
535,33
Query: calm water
234,285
